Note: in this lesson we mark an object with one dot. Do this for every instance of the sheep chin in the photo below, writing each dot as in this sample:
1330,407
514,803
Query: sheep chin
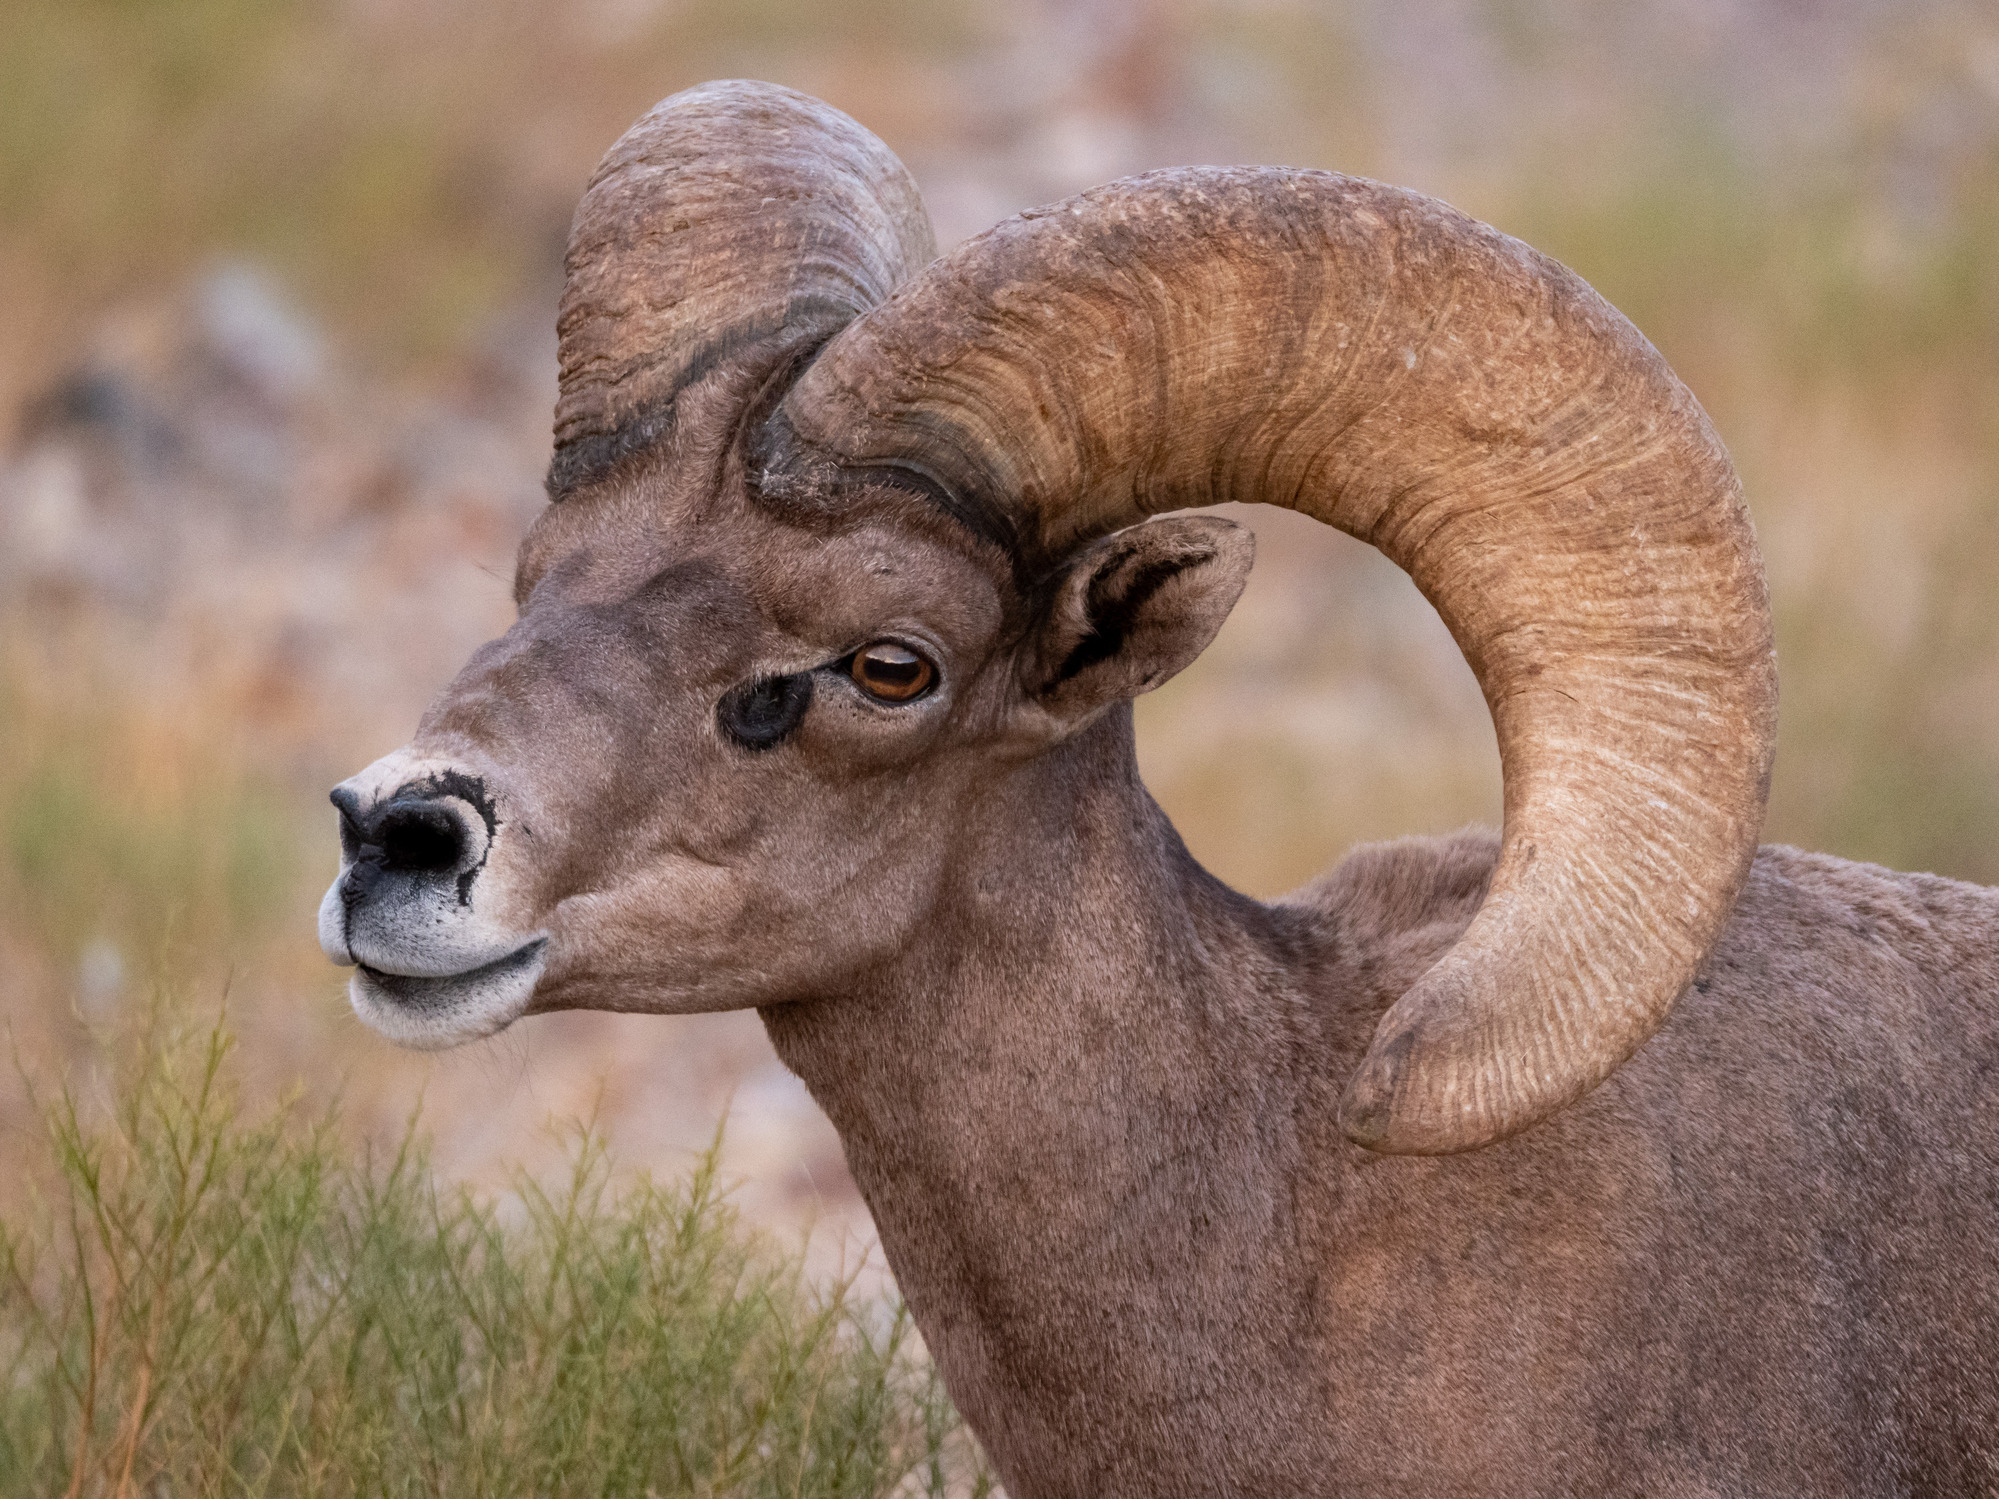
436,1013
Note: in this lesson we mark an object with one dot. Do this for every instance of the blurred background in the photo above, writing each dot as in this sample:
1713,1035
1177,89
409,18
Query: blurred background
277,298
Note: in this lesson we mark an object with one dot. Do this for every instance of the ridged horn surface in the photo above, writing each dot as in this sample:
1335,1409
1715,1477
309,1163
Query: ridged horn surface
730,214
1382,362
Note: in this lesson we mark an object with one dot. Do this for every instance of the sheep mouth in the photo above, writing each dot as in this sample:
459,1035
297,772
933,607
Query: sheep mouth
420,989
430,1012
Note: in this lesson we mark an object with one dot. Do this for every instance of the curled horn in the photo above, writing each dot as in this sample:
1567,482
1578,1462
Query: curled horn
732,214
1384,363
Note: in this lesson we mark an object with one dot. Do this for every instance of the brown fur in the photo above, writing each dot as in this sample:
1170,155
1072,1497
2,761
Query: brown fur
1097,1131
1093,1096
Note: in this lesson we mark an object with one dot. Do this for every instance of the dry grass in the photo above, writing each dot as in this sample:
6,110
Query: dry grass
129,827
201,1302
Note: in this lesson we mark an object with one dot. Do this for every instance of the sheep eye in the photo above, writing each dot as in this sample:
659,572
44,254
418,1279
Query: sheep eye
892,673
760,715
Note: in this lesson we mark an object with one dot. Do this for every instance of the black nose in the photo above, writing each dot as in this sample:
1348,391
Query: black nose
410,833
420,837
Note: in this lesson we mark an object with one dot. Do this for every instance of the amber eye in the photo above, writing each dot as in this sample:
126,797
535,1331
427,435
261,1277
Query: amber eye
891,672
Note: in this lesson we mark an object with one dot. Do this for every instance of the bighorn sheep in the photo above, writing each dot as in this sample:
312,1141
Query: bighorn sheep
818,702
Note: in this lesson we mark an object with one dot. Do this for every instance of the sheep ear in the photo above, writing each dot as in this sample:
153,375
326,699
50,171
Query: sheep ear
1133,609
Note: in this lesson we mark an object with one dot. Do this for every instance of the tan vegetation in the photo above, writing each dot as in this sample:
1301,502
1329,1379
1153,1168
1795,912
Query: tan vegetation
277,361
221,1303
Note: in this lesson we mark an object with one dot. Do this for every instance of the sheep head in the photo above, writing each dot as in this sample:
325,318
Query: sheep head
838,537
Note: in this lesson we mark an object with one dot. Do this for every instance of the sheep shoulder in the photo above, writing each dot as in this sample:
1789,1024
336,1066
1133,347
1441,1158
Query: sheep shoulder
1821,951
1768,1236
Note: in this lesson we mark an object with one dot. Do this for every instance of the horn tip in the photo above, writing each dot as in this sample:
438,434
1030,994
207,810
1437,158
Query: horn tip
1380,1111
1364,1118
1368,1116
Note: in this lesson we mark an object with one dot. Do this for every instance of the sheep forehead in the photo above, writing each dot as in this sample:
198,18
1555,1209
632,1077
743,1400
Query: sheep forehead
876,564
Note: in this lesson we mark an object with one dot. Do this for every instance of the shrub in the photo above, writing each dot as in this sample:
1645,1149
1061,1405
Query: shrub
201,1302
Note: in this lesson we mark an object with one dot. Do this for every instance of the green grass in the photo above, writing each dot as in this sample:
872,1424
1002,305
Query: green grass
202,1302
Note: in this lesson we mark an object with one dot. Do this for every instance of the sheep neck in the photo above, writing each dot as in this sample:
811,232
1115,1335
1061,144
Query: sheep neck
1098,1058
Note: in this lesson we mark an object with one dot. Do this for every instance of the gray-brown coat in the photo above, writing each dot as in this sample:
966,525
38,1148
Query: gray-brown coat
818,702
